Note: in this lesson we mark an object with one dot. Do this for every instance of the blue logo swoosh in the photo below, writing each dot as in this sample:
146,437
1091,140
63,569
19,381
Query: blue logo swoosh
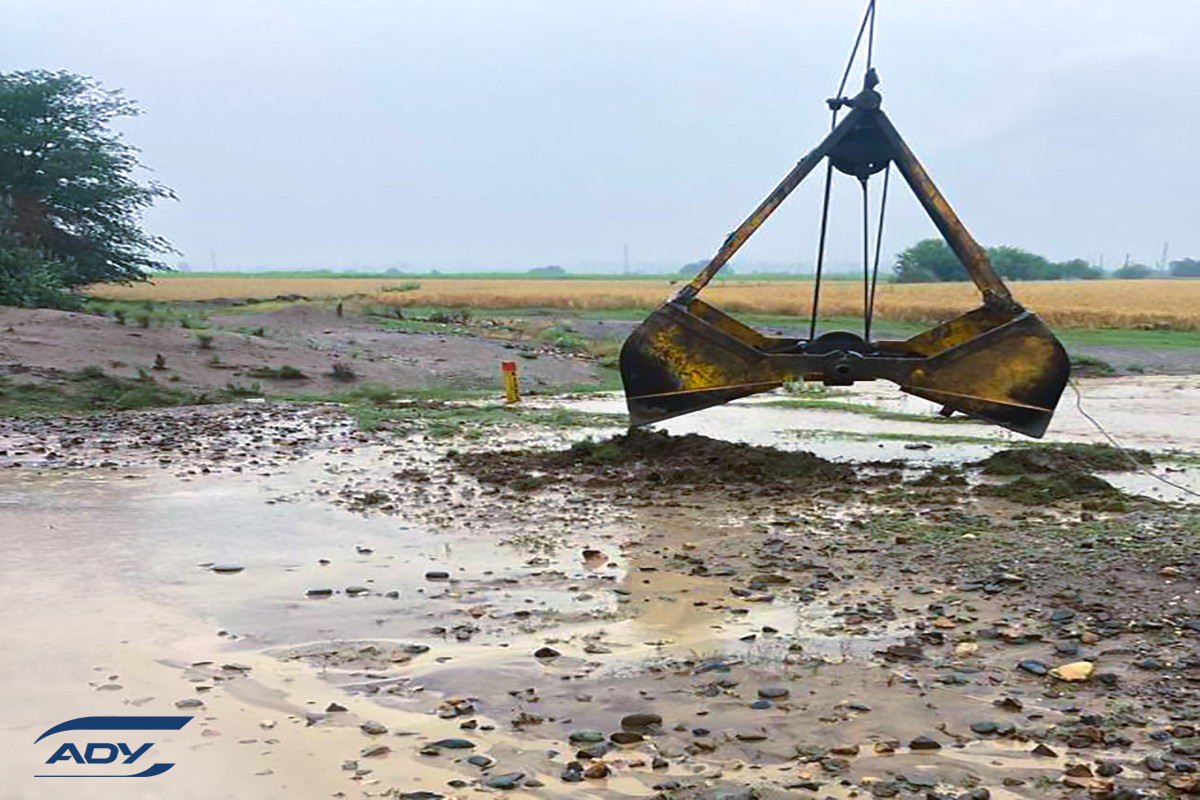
117,724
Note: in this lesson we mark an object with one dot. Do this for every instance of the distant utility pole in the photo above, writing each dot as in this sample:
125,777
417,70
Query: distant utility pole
625,249
1166,247
212,257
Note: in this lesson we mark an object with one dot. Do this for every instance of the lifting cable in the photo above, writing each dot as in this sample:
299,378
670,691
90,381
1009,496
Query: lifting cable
871,271
867,26
887,174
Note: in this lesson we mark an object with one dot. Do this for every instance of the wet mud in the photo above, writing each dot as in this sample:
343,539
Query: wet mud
354,615
1065,457
642,456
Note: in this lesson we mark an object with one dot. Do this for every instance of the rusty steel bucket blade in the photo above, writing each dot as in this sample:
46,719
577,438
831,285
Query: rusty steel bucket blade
1011,375
675,363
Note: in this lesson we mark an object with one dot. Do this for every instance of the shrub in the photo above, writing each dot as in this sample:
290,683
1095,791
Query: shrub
285,373
450,316
32,280
342,372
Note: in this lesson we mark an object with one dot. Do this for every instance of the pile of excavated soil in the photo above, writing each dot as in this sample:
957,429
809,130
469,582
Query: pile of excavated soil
1059,458
1067,486
651,457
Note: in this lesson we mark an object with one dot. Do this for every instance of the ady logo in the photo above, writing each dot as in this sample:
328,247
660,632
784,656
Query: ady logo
106,752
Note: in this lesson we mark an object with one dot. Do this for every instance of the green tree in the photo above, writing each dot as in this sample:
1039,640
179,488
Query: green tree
1186,268
70,206
1016,264
552,271
927,261
1133,272
932,260
1077,269
692,267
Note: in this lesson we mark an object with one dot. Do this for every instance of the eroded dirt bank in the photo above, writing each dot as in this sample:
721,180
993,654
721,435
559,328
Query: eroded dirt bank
354,615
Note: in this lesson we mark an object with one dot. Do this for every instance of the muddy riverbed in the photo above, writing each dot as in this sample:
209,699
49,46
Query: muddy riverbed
350,614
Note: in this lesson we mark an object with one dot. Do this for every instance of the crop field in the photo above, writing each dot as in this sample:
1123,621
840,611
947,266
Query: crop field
1148,304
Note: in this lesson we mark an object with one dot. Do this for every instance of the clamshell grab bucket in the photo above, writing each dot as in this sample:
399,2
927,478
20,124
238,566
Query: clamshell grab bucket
998,362
1004,368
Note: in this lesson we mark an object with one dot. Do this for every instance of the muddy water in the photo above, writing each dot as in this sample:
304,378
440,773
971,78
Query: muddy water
120,612
115,593
1155,412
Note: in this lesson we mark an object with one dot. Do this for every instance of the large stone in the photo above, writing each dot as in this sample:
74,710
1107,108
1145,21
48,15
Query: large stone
509,780
453,744
1074,672
640,721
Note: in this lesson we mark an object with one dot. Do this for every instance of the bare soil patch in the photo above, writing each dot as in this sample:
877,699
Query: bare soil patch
307,339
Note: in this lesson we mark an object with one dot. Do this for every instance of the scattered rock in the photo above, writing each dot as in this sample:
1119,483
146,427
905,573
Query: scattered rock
1033,667
635,722
509,780
453,744
1074,673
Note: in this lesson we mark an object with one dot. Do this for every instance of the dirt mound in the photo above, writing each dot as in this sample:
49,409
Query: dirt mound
651,457
1071,485
1060,458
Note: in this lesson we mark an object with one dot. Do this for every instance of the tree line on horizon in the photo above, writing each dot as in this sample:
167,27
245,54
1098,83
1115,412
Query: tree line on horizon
932,261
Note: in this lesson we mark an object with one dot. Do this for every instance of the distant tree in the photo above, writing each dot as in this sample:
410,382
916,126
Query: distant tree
1133,272
692,267
1186,268
932,260
927,261
70,208
551,271
1077,269
1016,264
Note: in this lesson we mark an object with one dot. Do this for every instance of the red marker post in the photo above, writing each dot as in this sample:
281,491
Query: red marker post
508,373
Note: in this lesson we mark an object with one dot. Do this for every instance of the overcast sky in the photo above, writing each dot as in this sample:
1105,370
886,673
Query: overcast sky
519,133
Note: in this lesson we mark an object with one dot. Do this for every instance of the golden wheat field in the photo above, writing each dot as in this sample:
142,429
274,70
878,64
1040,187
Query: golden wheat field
1166,304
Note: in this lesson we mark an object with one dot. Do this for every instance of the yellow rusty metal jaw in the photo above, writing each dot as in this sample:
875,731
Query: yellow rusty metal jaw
999,362
1004,367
